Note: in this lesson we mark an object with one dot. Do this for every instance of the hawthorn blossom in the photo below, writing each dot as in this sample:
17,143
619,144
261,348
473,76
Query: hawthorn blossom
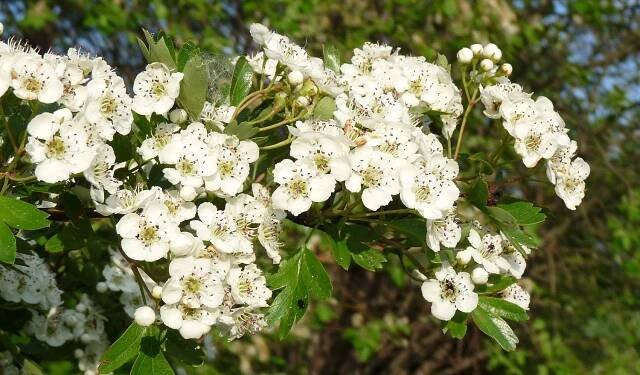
192,323
35,78
155,89
570,185
449,292
195,282
376,174
517,295
300,184
248,286
486,251
445,231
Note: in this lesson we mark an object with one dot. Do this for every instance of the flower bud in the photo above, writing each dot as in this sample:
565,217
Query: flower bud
479,275
303,101
86,338
280,100
476,49
486,65
1,28
295,77
156,292
178,116
78,353
506,69
81,307
188,193
465,55
491,51
309,89
144,316
463,257
101,287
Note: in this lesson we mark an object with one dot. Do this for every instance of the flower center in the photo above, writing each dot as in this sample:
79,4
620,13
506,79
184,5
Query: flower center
33,85
533,142
423,193
158,89
449,290
244,287
192,284
56,148
371,177
108,105
186,167
322,162
171,206
298,188
225,168
148,235
416,87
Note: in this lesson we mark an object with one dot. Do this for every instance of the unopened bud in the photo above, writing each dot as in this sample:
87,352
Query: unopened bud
491,51
81,307
479,275
280,100
465,55
295,77
156,292
486,65
178,116
101,287
463,257
144,316
188,193
1,28
78,353
303,101
506,69
309,89
476,49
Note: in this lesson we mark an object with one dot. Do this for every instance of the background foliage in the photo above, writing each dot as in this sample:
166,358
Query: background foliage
585,279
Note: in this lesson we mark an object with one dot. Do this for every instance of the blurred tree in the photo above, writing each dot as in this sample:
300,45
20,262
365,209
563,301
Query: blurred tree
582,54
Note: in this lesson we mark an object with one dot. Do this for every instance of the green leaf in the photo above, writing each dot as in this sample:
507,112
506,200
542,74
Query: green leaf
160,52
242,130
504,309
341,254
315,276
7,244
123,350
331,57
185,351
54,244
325,108
194,85
525,213
442,61
478,193
498,283
495,327
30,368
241,81
501,215
518,237
144,49
22,215
150,360
299,277
369,259
186,52
414,229
457,327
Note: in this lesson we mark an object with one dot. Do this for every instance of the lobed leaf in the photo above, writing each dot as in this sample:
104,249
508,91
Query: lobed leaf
22,215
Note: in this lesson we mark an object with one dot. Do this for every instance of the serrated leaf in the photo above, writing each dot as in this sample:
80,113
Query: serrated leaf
478,193
315,276
331,57
123,350
160,52
501,215
22,215
495,327
193,88
505,309
187,51
341,254
7,244
414,229
457,327
525,213
369,259
150,360
241,81
324,108
144,49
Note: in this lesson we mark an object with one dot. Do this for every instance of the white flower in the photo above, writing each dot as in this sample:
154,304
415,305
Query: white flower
486,251
300,184
494,96
148,236
58,145
516,261
100,172
109,106
445,231
428,187
144,316
376,174
248,286
160,143
570,185
119,279
155,89
233,157
55,328
268,68
515,294
192,160
195,282
125,201
242,321
219,116
218,228
449,292
192,323
36,79
177,209
329,154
